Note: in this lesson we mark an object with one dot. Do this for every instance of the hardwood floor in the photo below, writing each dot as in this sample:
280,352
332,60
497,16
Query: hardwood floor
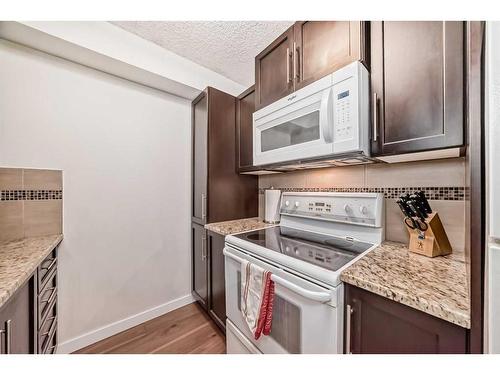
187,330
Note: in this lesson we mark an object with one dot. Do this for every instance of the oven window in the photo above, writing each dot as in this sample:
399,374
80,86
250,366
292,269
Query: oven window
286,326
300,130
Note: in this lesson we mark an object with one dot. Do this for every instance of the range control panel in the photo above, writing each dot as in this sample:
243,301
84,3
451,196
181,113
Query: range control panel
355,208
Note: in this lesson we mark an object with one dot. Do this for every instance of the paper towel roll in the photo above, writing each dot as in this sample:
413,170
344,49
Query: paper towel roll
272,202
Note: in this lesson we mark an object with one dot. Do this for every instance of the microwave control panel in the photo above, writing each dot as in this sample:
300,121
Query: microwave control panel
344,103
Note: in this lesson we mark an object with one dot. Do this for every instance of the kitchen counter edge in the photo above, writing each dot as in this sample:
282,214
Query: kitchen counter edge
437,286
19,259
225,228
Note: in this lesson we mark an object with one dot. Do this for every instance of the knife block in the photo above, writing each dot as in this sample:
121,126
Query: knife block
435,241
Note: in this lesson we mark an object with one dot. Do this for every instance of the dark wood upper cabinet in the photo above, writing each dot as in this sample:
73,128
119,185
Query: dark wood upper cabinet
273,70
381,326
417,86
217,280
245,108
199,264
321,47
304,53
200,152
219,192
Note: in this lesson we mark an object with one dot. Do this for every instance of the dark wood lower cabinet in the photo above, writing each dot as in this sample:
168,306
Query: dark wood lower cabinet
16,322
199,266
28,321
217,281
381,326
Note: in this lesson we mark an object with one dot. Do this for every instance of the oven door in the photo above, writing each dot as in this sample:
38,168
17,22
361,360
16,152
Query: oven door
298,130
307,317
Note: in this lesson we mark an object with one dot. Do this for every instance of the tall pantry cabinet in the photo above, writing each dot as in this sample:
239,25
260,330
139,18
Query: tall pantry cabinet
219,192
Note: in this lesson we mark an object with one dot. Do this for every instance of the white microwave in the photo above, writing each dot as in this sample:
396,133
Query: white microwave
329,117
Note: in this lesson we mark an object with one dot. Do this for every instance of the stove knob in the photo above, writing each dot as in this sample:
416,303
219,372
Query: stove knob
347,208
297,204
363,210
287,203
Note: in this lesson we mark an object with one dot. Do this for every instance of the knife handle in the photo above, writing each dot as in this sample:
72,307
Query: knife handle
424,201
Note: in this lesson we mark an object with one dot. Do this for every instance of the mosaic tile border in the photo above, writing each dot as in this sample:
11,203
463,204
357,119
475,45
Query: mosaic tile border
30,195
447,193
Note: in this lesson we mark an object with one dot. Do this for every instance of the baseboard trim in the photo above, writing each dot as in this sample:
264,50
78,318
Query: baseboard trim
106,331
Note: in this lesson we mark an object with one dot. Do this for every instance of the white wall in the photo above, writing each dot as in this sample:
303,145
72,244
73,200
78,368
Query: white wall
106,47
125,152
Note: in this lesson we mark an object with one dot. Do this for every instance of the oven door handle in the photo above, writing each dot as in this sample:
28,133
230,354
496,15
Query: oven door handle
309,294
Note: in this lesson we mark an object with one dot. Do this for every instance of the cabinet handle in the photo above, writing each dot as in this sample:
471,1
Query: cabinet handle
287,65
203,206
203,248
296,62
375,117
348,315
8,336
2,331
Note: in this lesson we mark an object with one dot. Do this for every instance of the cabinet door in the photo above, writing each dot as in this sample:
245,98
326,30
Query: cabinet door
16,322
200,150
200,274
245,108
273,70
381,326
217,300
417,86
321,47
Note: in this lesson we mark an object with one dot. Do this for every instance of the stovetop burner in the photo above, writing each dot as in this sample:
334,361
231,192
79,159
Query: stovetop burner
325,251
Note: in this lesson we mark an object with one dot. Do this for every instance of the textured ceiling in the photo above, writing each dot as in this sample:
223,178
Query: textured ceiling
228,48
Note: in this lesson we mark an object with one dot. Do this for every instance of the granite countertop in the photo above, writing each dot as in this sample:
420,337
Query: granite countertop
437,286
19,259
237,226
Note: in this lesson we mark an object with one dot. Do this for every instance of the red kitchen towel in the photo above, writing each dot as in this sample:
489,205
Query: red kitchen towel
257,297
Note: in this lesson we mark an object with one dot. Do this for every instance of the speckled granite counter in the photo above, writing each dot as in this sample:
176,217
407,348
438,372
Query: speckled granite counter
19,259
437,286
237,226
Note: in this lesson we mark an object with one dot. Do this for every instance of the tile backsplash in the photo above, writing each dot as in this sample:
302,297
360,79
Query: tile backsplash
30,203
442,180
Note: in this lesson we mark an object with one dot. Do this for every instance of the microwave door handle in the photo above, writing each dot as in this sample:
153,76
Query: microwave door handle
326,115
309,294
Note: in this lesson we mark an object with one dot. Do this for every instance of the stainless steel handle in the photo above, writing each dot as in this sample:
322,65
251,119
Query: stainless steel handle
375,116
309,294
296,61
348,314
203,248
2,331
203,206
287,65
8,336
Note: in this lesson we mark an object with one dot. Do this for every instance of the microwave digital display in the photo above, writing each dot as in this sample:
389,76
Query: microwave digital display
319,204
343,95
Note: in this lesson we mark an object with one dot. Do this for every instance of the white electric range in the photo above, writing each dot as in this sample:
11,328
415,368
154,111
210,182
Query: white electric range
320,234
